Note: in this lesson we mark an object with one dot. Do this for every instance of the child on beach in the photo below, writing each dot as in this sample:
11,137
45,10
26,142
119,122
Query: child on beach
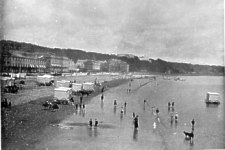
122,110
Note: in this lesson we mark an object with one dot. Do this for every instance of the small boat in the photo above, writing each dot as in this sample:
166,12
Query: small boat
212,98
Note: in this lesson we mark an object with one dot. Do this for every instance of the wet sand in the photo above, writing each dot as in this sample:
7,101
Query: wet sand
24,124
116,131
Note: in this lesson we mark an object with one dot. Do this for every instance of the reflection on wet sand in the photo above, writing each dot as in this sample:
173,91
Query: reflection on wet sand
135,134
114,110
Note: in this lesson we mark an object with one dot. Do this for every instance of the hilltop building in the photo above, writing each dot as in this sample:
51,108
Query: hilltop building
92,65
116,65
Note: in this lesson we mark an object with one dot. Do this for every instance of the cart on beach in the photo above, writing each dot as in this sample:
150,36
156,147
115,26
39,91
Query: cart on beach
8,85
212,98
45,80
62,95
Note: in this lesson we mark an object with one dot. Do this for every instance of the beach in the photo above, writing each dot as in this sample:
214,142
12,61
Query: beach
24,123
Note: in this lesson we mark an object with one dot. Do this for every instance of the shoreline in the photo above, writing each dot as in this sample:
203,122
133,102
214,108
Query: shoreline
23,125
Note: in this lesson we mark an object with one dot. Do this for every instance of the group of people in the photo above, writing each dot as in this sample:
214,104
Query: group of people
123,108
129,87
174,116
91,123
6,103
79,106
171,104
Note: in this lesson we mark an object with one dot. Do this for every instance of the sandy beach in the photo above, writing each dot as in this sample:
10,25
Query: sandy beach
24,123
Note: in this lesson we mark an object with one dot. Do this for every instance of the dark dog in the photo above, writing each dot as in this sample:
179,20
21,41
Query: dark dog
189,135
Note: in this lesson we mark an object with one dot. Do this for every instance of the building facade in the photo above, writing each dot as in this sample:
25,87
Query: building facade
17,61
116,65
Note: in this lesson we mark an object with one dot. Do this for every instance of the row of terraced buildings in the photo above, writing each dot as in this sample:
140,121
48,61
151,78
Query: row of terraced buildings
25,62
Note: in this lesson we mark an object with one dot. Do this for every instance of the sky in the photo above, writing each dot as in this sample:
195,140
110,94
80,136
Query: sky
189,31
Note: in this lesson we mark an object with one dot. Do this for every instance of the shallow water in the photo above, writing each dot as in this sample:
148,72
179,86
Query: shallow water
116,131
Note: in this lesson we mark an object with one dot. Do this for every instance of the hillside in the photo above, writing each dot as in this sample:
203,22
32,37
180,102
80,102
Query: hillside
155,66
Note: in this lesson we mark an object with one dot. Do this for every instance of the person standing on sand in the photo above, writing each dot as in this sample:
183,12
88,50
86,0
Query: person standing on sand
90,122
102,97
96,122
169,104
157,111
125,104
193,124
81,99
136,122
173,104
115,103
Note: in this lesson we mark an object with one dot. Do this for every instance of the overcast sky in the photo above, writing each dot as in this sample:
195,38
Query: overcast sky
173,30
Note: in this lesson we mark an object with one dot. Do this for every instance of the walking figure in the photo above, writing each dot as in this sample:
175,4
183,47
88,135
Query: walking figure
136,122
193,124
157,111
172,104
115,103
96,122
102,97
169,104
83,106
125,104
90,122
144,101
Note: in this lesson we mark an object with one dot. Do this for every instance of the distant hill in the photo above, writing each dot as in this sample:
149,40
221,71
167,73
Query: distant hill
153,66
